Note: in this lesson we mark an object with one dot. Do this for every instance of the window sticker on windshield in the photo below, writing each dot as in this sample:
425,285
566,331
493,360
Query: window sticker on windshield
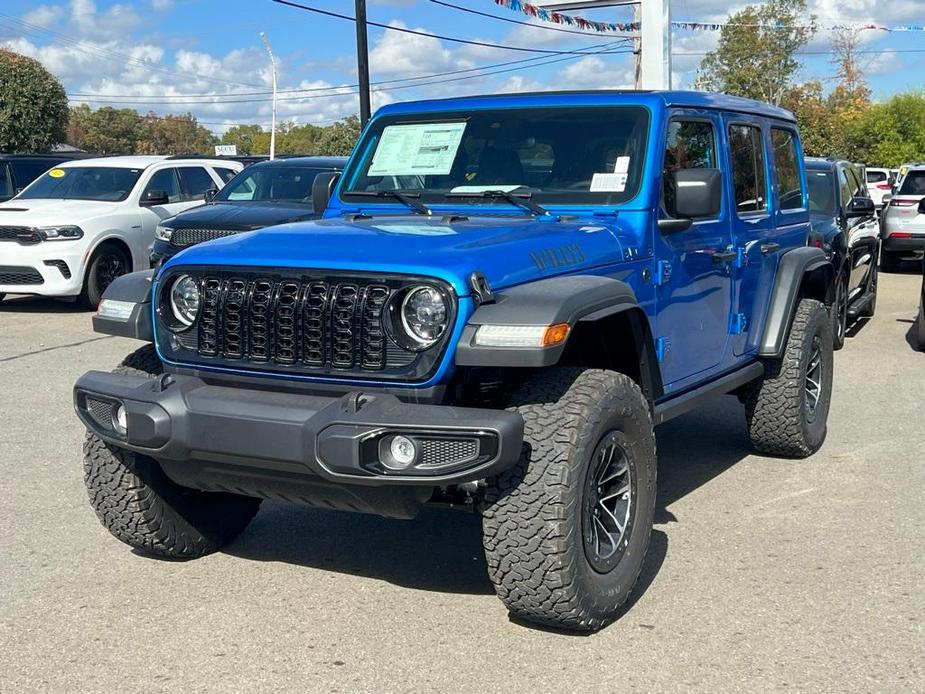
608,183
57,173
465,190
623,165
417,149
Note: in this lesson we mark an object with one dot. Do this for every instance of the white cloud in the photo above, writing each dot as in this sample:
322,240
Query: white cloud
44,15
161,5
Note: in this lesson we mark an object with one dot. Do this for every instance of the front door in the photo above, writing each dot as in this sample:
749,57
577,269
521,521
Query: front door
692,266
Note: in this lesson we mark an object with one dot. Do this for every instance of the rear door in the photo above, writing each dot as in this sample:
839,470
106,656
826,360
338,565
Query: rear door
753,229
694,286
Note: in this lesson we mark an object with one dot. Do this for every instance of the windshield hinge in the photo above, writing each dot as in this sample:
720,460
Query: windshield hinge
481,289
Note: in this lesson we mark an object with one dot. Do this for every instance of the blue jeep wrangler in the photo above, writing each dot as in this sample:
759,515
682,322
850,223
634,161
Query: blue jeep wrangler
505,296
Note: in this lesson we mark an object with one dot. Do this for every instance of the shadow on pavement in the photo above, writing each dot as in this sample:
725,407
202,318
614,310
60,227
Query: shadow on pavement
913,339
40,304
441,550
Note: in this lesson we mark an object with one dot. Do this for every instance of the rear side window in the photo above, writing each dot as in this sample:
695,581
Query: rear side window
748,171
913,183
195,181
876,176
787,169
690,145
225,174
165,180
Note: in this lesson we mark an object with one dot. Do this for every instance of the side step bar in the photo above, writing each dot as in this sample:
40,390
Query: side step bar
679,404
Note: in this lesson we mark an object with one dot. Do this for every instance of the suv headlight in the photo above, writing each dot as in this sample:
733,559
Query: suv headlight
67,232
184,302
424,314
163,233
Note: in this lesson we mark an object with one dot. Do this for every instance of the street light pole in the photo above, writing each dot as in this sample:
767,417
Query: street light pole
362,61
266,43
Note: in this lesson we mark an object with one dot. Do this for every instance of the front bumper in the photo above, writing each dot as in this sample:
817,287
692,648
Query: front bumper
196,429
45,259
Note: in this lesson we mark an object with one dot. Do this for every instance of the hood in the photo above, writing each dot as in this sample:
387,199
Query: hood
241,216
47,212
508,250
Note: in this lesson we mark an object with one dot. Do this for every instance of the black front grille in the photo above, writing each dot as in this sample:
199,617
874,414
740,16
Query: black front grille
24,235
182,238
20,275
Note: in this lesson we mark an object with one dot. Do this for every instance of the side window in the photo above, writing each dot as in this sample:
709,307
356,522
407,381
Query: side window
748,170
195,181
225,174
690,145
787,169
165,180
845,187
858,187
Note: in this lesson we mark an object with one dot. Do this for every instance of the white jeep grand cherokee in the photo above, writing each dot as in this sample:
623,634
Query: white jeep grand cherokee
83,223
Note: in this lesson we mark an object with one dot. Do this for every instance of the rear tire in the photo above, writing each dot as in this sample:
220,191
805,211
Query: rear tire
142,507
787,410
554,547
108,262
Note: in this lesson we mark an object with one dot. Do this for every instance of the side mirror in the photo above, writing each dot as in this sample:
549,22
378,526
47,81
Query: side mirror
322,189
860,207
210,194
887,197
698,193
154,198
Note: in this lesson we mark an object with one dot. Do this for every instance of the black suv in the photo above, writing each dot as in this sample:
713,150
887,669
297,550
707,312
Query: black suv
262,195
844,224
19,170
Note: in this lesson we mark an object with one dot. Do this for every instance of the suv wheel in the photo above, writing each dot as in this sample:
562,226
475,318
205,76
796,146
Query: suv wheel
143,508
788,409
840,313
566,530
108,262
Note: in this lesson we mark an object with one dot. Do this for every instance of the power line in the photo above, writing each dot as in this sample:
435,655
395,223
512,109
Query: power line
511,21
451,39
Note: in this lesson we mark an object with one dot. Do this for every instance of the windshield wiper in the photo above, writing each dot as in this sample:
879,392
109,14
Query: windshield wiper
521,200
406,198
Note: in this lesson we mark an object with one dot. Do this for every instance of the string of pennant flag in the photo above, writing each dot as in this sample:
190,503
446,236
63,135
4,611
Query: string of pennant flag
622,27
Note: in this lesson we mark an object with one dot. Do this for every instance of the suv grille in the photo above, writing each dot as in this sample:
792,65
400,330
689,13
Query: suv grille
24,235
302,324
20,275
181,238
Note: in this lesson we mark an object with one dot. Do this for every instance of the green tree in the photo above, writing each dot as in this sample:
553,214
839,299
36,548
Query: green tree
756,56
340,138
33,105
890,133
105,131
244,137
174,135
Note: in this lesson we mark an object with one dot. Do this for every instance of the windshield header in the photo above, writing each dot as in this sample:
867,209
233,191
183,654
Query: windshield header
553,156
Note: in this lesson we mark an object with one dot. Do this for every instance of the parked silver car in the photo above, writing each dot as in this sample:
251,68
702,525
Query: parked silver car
904,219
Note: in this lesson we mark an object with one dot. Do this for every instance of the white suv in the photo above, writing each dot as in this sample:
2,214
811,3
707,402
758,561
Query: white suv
903,229
83,223
879,183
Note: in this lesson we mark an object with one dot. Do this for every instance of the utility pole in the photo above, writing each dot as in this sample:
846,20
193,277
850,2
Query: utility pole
266,43
653,54
362,62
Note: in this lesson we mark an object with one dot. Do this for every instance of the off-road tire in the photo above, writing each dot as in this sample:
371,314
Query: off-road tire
775,406
94,285
142,507
839,312
533,513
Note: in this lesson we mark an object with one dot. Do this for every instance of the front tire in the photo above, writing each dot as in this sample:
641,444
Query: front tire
108,262
566,530
142,507
787,410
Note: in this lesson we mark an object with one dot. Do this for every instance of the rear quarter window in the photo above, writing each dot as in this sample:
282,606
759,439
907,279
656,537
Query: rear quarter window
913,183
787,169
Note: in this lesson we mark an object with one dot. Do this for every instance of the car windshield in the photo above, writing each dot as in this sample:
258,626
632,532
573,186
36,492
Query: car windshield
821,192
565,156
6,182
913,183
104,183
271,183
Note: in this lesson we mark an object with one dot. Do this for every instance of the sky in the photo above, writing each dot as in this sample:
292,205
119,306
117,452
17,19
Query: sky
206,57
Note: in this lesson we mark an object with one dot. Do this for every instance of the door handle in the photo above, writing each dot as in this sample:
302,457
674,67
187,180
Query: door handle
721,257
767,248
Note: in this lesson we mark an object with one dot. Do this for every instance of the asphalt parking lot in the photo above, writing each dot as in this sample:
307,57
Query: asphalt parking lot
763,574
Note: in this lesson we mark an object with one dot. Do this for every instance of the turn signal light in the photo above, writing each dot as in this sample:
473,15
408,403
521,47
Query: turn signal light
555,335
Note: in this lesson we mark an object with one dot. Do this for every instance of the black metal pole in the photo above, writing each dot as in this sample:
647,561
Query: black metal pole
362,61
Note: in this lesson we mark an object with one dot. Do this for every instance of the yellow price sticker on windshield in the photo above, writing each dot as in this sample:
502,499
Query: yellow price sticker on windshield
56,173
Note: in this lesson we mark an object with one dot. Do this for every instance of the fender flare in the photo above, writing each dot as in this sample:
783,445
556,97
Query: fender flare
796,268
569,299
133,288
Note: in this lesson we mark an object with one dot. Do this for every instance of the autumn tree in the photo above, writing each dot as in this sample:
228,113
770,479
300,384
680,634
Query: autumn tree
757,52
33,105
174,135
104,131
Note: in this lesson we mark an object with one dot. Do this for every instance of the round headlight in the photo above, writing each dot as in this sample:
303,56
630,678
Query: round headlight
424,315
184,300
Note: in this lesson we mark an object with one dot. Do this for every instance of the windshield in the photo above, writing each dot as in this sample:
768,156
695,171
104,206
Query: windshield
269,183
6,182
821,192
565,156
104,183
913,183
